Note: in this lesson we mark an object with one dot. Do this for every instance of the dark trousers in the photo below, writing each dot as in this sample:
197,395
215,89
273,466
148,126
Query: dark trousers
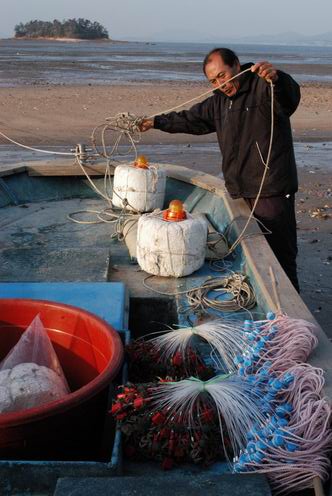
278,216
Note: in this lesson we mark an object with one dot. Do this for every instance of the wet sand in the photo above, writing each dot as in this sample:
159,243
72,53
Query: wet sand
65,115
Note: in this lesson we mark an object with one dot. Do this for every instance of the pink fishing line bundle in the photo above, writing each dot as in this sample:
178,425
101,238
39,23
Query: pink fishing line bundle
278,343
293,446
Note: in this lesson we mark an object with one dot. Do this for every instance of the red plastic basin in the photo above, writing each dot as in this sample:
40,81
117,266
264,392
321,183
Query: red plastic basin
91,353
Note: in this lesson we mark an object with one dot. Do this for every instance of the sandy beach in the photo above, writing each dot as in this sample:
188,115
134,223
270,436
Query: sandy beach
65,115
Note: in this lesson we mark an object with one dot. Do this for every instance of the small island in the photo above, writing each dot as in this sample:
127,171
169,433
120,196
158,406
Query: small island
73,29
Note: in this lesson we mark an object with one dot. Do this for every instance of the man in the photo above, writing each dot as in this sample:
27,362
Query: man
240,113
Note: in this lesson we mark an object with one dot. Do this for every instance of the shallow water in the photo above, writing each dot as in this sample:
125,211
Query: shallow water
24,62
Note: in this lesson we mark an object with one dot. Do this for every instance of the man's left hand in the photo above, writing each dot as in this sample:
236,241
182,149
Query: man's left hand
266,71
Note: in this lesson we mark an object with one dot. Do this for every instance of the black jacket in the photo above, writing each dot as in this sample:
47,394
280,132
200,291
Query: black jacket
239,122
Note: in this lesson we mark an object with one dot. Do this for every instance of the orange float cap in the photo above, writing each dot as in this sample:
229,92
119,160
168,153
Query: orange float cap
141,162
175,211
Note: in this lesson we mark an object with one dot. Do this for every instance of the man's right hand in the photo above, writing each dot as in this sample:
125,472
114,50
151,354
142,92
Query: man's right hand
146,124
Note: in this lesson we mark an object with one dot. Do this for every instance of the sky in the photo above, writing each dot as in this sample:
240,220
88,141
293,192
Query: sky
177,20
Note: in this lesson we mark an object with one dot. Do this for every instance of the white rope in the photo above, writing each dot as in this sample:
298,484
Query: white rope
234,285
240,294
94,187
208,92
127,125
266,168
71,154
117,217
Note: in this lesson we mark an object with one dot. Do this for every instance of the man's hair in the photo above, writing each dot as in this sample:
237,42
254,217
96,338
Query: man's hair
228,56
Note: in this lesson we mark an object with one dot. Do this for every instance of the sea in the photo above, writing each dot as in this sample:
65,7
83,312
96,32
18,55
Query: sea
43,62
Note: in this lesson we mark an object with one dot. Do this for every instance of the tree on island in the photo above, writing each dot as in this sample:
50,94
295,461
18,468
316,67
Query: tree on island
70,28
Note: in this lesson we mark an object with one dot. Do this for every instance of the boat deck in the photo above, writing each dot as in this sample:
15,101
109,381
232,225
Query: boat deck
39,243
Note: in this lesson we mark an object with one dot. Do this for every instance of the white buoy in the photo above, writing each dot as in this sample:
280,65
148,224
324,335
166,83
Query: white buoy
139,187
174,247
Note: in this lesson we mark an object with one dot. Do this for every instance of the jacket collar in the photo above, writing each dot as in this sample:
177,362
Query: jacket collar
245,79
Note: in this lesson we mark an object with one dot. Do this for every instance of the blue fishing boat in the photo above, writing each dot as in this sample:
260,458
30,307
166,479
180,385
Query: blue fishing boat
44,256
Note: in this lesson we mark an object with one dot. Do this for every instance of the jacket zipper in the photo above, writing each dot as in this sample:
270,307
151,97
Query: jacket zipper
228,107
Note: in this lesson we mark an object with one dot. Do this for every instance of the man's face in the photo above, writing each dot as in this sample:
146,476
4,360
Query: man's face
218,72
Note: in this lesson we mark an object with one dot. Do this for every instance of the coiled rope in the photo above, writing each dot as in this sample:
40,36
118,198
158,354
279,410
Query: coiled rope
240,294
128,127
